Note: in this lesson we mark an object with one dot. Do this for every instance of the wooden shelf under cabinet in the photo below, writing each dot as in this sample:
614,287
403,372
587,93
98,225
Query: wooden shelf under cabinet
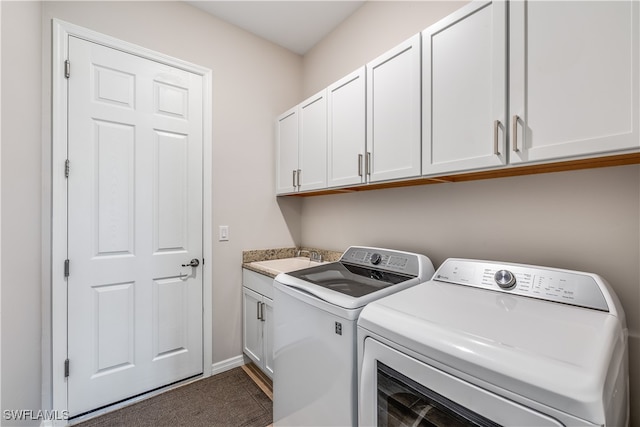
569,165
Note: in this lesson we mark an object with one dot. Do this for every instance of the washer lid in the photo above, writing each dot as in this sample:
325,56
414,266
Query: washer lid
351,280
362,275
332,283
555,354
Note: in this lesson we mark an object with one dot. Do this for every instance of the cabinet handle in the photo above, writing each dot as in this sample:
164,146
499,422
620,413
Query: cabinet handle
496,129
258,311
359,164
262,312
367,165
294,178
299,173
515,133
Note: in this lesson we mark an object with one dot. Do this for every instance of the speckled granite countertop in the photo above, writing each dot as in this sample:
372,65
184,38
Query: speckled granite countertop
269,254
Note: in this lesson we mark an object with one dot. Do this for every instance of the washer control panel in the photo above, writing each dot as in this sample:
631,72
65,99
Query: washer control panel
556,285
383,259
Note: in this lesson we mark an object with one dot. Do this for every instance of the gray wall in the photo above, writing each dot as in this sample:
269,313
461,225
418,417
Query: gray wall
586,220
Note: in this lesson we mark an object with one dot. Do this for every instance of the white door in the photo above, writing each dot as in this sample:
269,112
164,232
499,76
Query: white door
312,143
346,114
287,152
393,113
134,217
573,78
464,90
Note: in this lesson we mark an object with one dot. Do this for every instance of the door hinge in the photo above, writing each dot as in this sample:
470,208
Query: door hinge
67,68
67,167
66,368
66,268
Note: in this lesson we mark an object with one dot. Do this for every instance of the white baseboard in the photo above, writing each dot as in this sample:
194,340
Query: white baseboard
225,365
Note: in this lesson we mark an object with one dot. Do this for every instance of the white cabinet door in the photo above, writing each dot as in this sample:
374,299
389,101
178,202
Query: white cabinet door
312,143
393,113
257,308
267,335
287,152
464,90
347,130
573,78
252,326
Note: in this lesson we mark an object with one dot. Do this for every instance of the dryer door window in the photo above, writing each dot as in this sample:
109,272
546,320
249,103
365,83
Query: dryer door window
404,402
397,389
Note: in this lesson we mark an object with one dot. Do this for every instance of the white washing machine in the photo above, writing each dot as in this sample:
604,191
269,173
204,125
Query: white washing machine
315,314
487,343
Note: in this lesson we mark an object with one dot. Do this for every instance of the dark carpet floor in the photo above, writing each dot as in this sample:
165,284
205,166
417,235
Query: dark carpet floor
227,399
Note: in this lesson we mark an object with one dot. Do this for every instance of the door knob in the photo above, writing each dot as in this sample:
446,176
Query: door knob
193,263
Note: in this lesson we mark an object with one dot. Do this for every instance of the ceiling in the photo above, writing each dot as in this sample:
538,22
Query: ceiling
294,25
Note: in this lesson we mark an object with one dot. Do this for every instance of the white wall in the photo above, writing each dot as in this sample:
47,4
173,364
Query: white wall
374,28
253,81
586,220
21,205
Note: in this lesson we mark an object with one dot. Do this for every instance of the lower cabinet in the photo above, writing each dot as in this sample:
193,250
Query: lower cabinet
257,330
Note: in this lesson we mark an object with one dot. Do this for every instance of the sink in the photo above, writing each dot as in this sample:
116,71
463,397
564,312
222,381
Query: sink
284,265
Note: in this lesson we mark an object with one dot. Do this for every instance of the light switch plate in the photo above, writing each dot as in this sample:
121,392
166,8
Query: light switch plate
223,233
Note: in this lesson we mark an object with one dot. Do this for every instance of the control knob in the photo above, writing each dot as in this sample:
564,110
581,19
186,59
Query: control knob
505,279
376,258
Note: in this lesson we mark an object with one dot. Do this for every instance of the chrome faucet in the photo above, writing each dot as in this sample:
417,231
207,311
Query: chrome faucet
313,255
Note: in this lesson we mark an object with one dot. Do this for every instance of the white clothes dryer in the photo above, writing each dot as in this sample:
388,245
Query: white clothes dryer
488,343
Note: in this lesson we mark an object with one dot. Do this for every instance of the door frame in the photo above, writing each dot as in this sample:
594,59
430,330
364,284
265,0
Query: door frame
56,239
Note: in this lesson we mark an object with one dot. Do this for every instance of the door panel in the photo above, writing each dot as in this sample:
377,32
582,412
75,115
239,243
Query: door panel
135,216
287,152
169,315
393,112
464,59
114,87
171,189
312,145
346,106
114,321
115,182
576,94
252,326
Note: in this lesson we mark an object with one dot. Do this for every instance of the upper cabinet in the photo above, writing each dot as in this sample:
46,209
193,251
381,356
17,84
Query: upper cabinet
346,127
464,90
499,87
573,78
393,113
312,155
301,148
287,152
